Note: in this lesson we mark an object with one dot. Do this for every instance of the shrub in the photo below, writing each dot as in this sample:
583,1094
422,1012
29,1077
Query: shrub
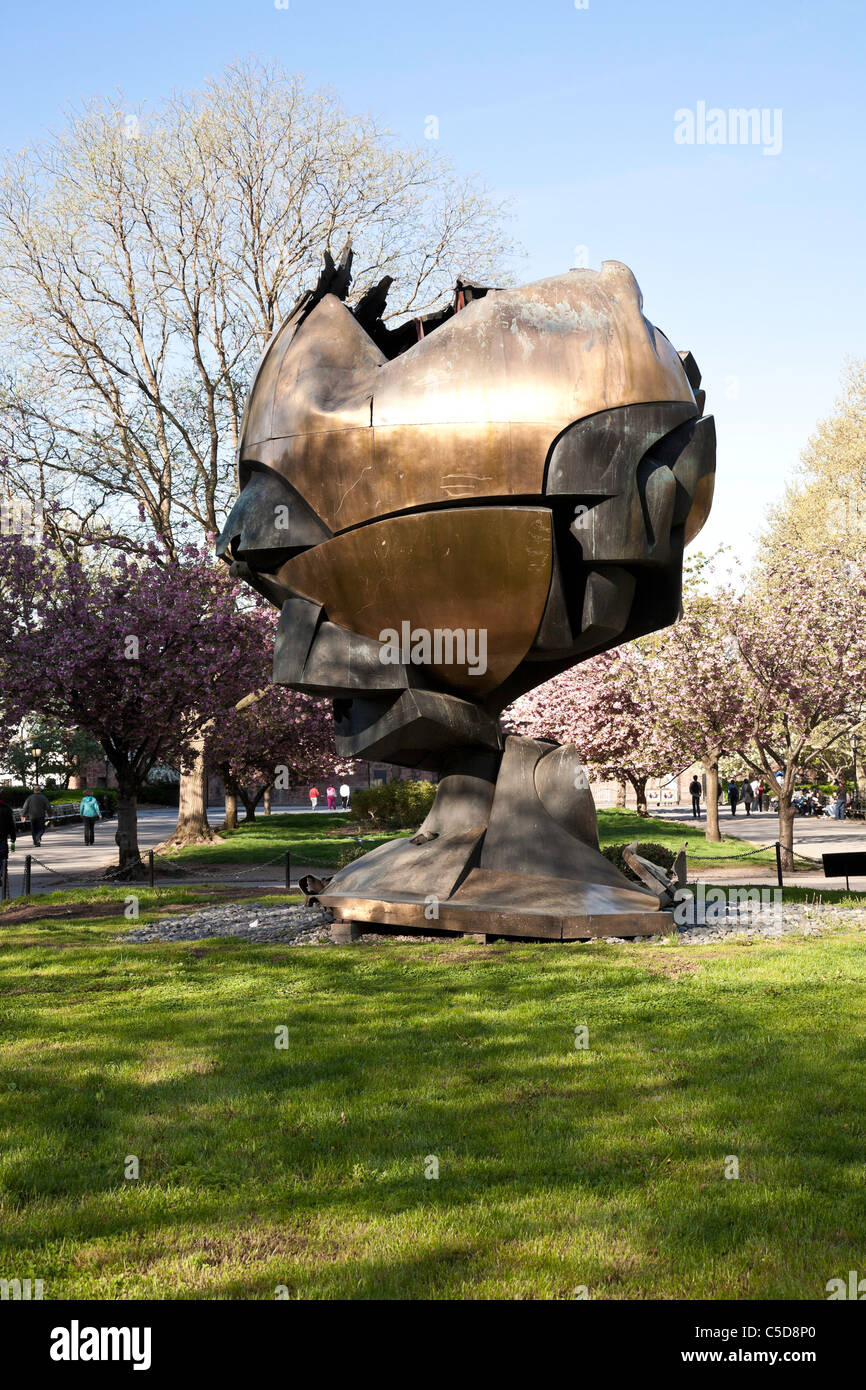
647,849
107,800
16,796
351,853
396,805
160,794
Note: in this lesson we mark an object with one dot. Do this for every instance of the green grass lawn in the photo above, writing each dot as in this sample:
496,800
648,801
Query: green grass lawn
312,838
619,826
305,1167
320,839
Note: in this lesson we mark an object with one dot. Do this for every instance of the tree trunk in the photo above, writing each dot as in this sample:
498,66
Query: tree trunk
251,800
639,784
711,766
231,820
786,830
129,863
192,823
620,793
267,805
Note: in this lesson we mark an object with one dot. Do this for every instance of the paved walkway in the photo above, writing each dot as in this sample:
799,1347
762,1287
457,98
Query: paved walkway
68,858
813,835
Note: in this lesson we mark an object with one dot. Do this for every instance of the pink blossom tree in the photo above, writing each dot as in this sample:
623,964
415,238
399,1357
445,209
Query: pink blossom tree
280,737
608,708
700,689
800,638
138,653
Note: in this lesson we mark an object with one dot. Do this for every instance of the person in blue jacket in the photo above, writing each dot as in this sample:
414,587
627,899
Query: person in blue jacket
90,814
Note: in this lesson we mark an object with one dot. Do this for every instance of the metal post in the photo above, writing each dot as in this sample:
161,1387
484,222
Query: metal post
27,861
150,866
288,870
779,863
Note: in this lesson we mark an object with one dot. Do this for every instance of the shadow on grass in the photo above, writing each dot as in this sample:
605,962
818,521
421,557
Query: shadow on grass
396,1054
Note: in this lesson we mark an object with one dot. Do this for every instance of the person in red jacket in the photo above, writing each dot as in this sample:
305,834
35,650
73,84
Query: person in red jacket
314,797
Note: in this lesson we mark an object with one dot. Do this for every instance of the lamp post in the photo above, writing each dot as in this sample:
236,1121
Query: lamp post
37,754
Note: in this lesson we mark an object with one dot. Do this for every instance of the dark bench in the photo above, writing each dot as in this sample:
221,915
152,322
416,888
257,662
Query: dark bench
60,811
850,864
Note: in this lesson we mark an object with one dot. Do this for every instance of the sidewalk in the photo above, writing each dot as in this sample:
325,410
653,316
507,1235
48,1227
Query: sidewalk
765,876
813,835
63,860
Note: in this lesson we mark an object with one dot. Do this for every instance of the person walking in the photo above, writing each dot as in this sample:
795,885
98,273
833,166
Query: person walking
733,796
314,798
345,793
840,801
761,794
90,814
748,796
37,809
695,790
7,835
331,794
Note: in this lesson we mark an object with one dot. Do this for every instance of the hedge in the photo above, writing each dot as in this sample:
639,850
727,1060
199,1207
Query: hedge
397,805
647,849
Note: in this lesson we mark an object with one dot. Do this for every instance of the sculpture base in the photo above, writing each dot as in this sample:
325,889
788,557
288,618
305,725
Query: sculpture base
355,916
510,849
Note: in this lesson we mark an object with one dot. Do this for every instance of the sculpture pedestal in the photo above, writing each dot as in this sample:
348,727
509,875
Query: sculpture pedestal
510,849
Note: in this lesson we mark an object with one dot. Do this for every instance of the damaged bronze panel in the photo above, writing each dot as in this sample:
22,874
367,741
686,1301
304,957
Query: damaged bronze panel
471,410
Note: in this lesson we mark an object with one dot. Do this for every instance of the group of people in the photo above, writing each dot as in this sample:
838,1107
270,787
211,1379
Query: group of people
331,794
806,802
811,801
36,810
749,792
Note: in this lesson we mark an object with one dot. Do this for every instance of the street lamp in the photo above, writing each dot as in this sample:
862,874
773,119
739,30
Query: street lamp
37,754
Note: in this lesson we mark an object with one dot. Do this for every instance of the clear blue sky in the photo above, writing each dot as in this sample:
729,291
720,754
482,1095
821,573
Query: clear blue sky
754,261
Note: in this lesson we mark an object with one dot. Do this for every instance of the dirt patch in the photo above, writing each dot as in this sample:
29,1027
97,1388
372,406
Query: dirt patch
470,955
69,912
670,967
111,907
231,1250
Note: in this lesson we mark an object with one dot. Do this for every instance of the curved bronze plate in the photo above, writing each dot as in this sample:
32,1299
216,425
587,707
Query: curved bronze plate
700,508
468,570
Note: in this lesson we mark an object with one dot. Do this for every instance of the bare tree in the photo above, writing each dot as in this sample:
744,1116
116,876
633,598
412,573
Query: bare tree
145,261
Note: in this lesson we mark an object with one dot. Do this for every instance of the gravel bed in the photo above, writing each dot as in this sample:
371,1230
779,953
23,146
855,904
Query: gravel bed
768,922
310,926
291,925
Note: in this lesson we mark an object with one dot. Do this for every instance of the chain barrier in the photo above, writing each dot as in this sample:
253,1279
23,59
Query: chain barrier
230,878
695,860
58,873
730,859
795,854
